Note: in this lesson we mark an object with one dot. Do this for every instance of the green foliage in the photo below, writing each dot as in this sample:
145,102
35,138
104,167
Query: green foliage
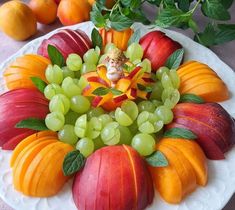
171,13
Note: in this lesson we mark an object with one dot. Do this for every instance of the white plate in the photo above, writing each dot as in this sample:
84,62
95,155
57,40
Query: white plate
221,184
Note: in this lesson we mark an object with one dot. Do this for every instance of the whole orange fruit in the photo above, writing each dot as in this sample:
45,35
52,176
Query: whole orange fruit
44,10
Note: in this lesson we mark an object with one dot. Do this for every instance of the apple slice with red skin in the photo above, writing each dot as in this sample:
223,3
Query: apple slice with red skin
158,47
108,169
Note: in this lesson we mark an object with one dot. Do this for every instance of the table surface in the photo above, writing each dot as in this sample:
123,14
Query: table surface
226,53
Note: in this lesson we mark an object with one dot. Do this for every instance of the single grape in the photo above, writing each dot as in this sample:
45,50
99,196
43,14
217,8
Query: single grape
67,72
97,50
52,90
110,134
82,83
157,103
80,104
54,74
134,51
130,108
122,118
91,57
102,58
70,87
157,91
88,67
166,81
146,65
55,121
144,144
125,135
165,114
71,117
94,128
85,146
109,47
142,118
174,78
112,114
162,70
146,106
137,62
59,103
105,119
95,112
67,135
170,97
74,62
81,126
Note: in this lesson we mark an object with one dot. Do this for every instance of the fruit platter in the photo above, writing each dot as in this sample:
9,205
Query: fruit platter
100,119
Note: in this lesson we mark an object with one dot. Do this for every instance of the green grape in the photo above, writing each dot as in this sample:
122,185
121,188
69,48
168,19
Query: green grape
82,83
162,70
134,51
144,144
136,62
102,58
54,74
122,118
131,109
94,128
91,57
112,114
157,91
166,81
142,118
97,50
70,87
71,117
88,67
105,119
146,106
109,47
170,97
98,143
174,78
146,65
157,103
77,74
52,90
95,112
125,135
80,104
74,62
55,121
67,135
59,103
133,127
67,72
110,134
81,126
85,146
165,114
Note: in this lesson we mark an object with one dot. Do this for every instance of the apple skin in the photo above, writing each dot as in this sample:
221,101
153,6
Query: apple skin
67,41
212,124
114,177
17,105
158,47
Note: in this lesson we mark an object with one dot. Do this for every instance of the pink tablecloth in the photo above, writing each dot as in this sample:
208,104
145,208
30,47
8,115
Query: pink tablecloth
226,53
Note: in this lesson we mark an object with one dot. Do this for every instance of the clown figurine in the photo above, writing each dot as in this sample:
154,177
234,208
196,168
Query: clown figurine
114,63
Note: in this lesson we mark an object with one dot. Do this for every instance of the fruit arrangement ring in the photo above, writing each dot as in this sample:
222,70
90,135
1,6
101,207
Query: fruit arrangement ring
125,118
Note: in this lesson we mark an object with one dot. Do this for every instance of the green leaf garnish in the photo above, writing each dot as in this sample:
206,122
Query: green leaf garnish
96,38
175,59
188,97
147,89
73,162
135,38
100,91
115,91
55,56
39,83
157,159
180,133
33,124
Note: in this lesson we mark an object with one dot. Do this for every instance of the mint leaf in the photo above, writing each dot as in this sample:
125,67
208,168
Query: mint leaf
184,5
96,38
135,37
188,97
33,124
55,56
39,83
100,91
175,59
96,16
147,89
225,33
73,162
180,133
157,159
120,22
227,3
215,9
115,91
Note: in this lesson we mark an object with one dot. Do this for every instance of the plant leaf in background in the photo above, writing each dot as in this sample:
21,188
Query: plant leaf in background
120,22
55,56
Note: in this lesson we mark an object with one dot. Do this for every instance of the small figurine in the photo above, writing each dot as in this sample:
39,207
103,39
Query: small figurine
114,63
